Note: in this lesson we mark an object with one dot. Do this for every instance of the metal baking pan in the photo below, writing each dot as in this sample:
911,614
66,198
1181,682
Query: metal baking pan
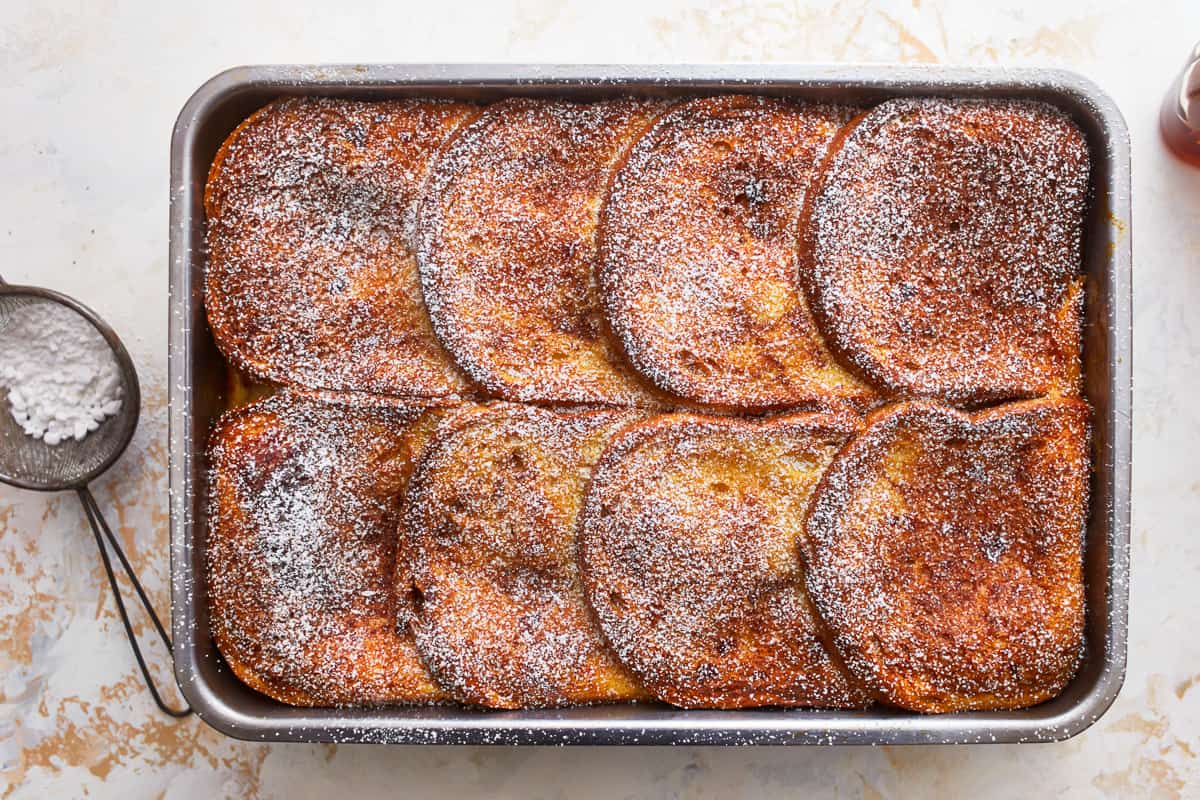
197,381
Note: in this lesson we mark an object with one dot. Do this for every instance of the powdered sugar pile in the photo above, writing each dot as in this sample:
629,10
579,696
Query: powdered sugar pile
61,375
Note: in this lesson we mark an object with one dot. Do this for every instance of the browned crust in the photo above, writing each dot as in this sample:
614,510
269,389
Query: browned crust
689,554
301,547
1016,643
941,249
311,276
491,586
944,552
698,255
508,248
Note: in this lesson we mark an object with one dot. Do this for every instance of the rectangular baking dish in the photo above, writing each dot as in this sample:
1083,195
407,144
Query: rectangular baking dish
197,383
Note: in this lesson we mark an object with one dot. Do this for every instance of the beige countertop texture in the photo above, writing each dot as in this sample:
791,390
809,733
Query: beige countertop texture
88,94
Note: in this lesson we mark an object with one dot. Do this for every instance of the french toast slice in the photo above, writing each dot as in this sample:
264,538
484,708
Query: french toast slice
311,278
508,248
688,547
944,552
698,259
942,250
302,541
491,587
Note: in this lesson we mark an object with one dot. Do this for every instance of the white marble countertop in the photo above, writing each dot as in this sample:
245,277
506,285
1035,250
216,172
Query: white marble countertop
88,97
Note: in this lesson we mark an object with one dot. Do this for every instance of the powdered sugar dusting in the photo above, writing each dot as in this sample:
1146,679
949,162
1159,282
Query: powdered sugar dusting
941,255
698,243
493,593
508,247
301,548
946,246
689,549
945,553
311,277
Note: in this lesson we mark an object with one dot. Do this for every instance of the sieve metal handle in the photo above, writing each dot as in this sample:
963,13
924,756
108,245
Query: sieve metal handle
96,520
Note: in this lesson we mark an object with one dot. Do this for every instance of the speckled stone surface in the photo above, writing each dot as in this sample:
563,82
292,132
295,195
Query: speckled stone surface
88,96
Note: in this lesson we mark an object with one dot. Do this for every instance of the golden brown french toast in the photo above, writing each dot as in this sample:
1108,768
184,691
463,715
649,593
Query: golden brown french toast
302,546
944,552
311,278
491,586
508,247
688,547
942,249
601,262
698,255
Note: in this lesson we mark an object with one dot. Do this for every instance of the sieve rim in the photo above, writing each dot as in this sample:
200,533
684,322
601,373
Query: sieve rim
129,414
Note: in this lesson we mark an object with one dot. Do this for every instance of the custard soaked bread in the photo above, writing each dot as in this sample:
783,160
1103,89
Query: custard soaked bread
734,253
942,251
689,553
698,255
302,546
508,248
311,275
944,552
491,584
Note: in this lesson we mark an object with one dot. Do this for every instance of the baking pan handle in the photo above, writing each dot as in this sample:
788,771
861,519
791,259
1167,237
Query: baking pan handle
96,520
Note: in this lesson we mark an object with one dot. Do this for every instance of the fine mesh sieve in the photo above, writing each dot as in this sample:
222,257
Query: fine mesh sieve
30,463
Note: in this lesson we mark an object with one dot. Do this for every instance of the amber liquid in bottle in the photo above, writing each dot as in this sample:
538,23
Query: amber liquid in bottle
1179,118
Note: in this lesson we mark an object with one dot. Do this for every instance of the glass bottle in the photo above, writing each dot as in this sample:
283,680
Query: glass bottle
1180,115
